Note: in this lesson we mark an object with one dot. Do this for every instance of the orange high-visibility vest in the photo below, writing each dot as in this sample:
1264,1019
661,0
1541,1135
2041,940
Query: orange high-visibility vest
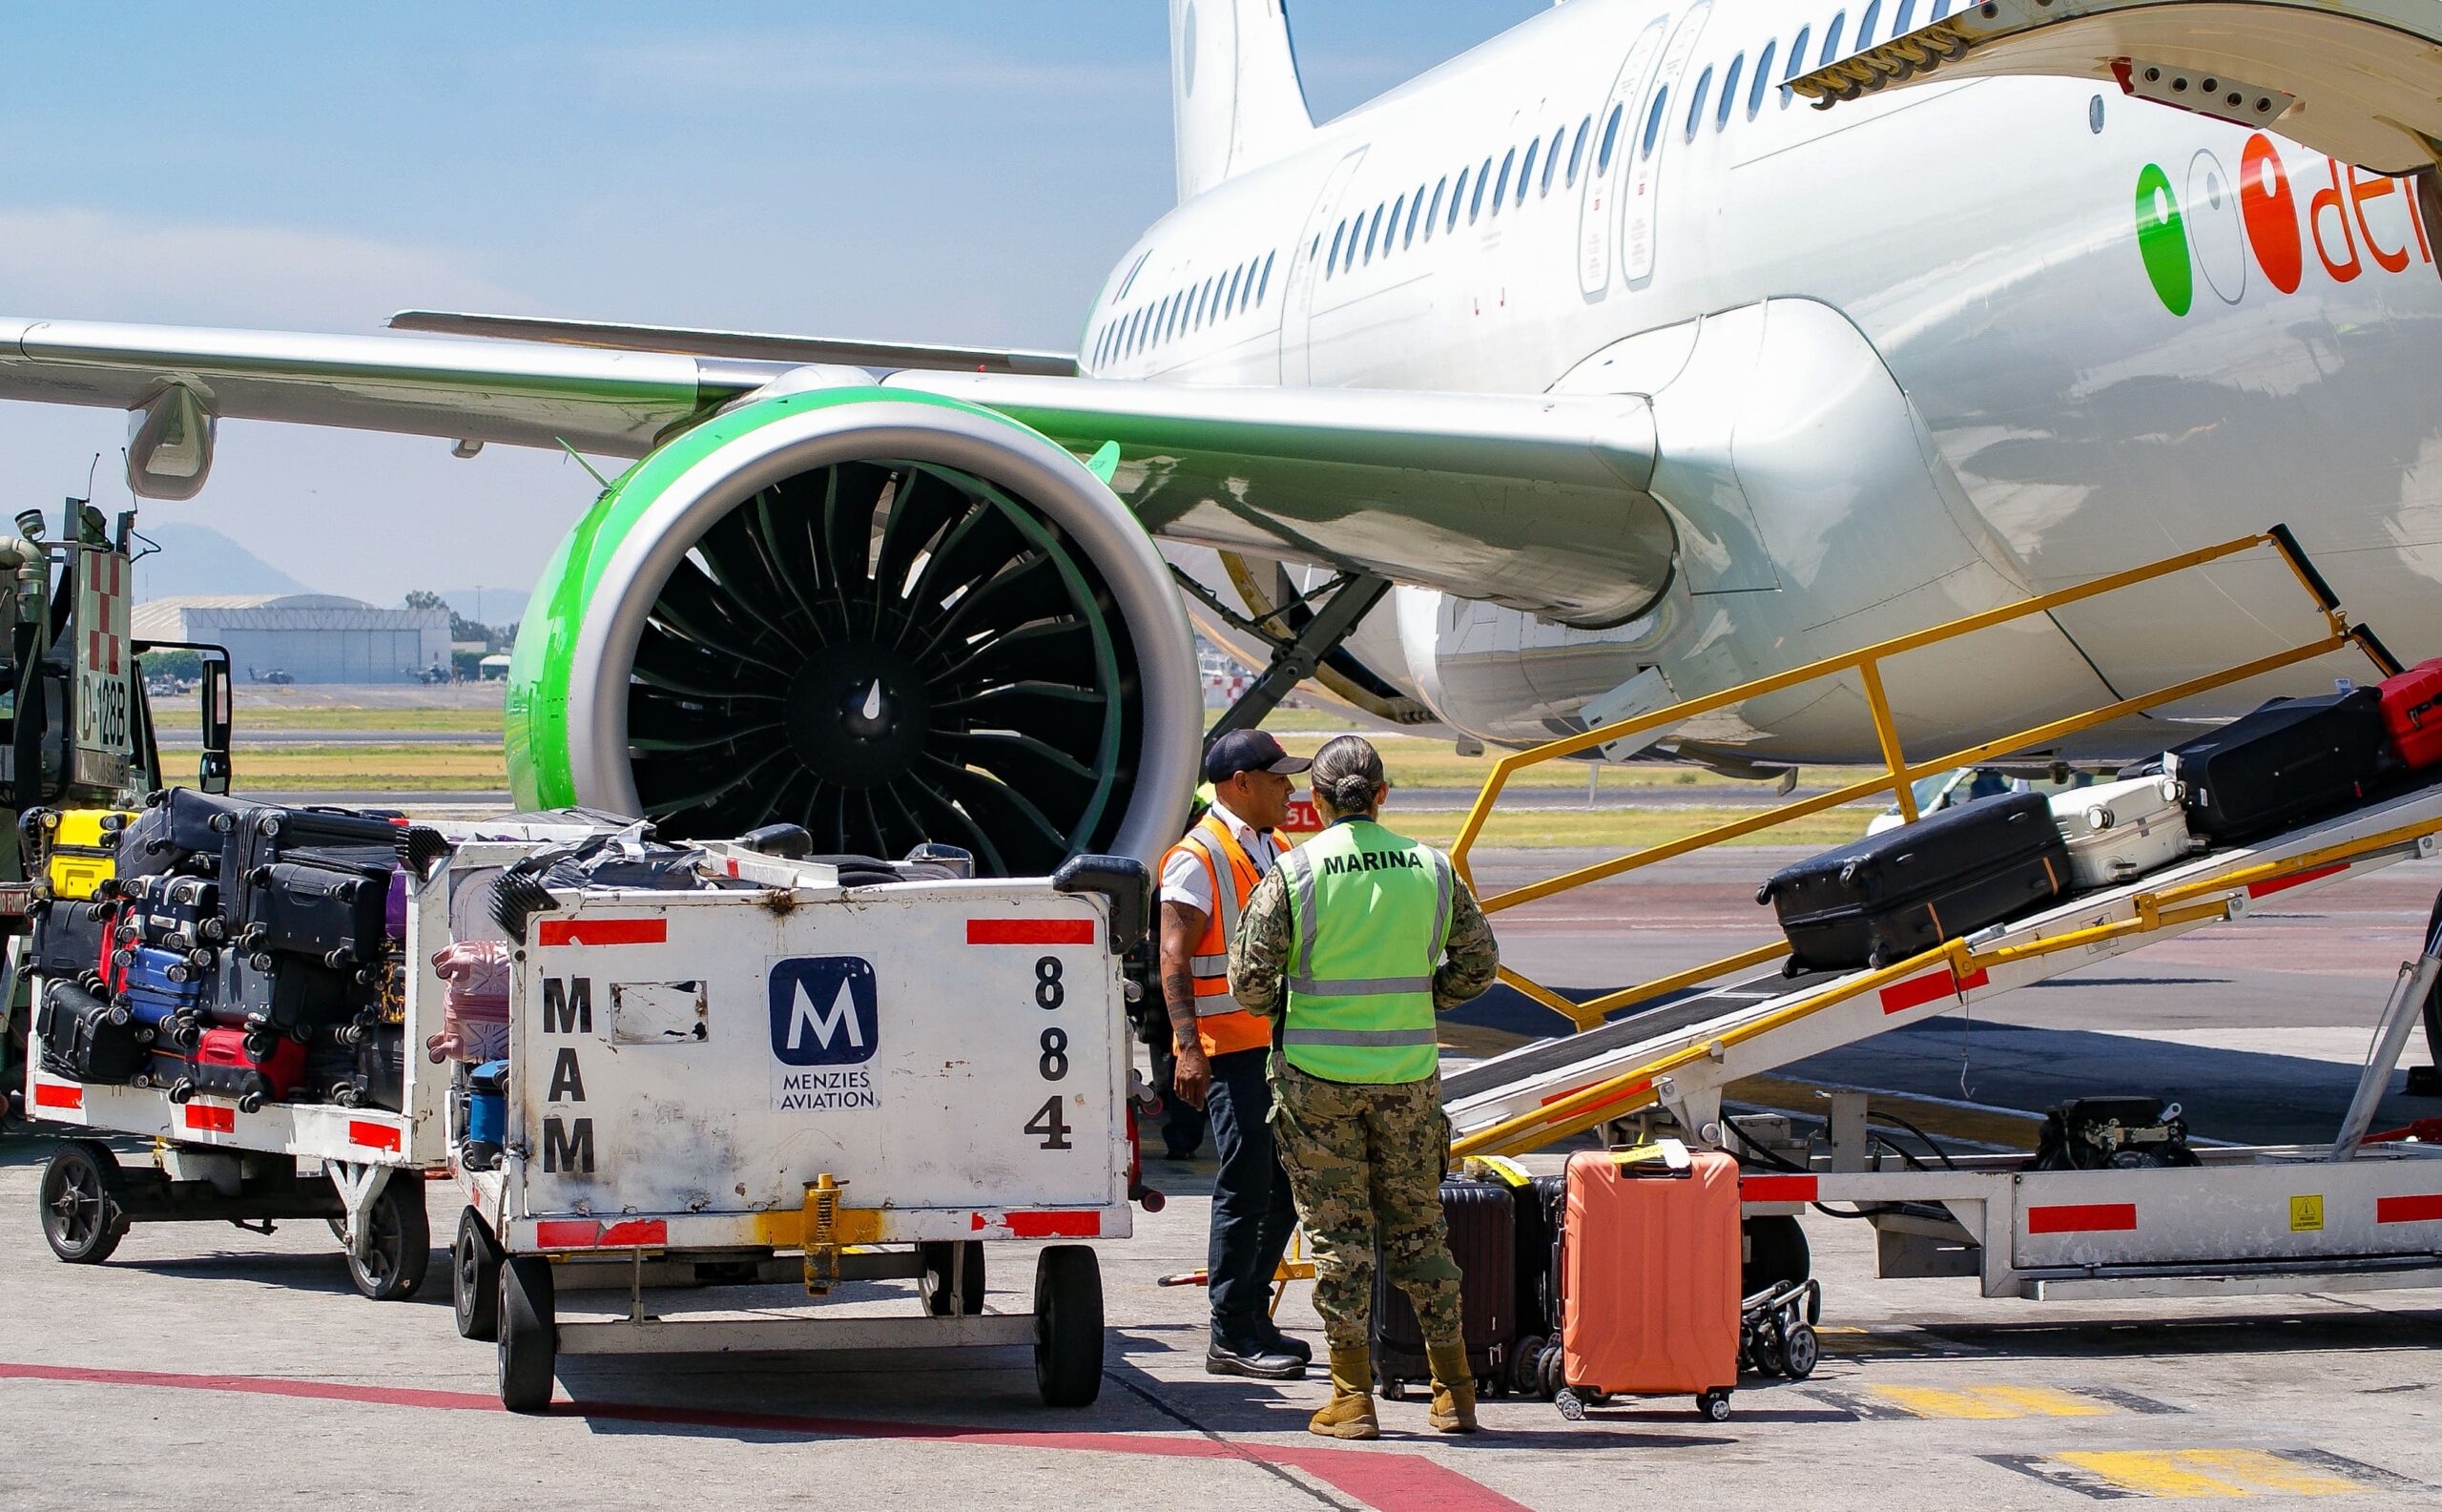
1221,1025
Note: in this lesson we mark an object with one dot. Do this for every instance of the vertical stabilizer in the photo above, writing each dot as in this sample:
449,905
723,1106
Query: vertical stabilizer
1235,102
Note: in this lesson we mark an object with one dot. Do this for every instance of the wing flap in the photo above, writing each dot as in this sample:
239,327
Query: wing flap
743,345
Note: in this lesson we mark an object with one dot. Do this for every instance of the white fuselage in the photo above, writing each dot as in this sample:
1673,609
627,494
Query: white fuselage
2089,399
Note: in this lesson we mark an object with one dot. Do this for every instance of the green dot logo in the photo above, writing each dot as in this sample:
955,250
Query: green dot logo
2162,239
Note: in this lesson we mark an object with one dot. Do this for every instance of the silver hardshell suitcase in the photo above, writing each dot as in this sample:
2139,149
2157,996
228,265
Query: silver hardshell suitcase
2122,830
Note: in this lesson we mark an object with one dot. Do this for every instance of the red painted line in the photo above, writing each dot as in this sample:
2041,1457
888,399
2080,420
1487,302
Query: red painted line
1388,1479
1776,1189
1029,931
2082,1217
212,1120
2424,1207
1056,1224
50,1094
604,932
2280,884
372,1136
1930,988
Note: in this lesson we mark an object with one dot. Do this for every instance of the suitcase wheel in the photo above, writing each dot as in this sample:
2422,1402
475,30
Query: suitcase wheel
1880,959
1713,1406
1800,1351
251,1103
182,1091
1571,1405
1394,1389
343,1093
119,1013
1764,894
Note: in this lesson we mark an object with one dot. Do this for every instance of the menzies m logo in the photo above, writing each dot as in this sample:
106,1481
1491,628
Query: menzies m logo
823,1011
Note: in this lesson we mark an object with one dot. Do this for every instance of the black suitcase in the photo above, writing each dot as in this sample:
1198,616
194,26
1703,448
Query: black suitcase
69,938
1483,1240
1890,896
292,995
369,1072
303,908
85,1037
2291,760
172,912
177,830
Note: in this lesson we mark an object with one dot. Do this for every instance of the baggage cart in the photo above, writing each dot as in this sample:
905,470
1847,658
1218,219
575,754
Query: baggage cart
811,1085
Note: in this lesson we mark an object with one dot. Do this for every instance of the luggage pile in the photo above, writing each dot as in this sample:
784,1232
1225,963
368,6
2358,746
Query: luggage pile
209,945
1892,896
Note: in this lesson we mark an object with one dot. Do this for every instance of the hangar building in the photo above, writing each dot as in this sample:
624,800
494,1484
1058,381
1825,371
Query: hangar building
313,637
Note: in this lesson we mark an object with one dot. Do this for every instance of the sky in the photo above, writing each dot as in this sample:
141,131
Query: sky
955,170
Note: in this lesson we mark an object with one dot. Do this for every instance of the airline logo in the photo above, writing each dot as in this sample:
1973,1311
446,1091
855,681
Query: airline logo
2334,221
825,1011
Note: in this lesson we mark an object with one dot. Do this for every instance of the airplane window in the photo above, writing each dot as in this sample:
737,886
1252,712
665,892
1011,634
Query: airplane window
1941,9
1265,287
1831,39
1501,187
1433,213
1610,135
1796,65
1230,294
1906,20
1457,199
1396,206
1484,172
1653,121
1371,227
1696,102
1866,24
1763,80
1195,306
1728,92
1332,261
1527,170
1552,157
1416,204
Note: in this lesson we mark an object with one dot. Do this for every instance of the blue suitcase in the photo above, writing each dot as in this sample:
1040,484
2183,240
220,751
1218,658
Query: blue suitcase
163,973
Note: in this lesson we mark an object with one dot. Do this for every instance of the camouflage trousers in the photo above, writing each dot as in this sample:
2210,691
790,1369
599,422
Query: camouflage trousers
1365,1163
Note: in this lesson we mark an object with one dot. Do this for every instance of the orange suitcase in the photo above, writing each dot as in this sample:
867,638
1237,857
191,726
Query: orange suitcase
1650,1259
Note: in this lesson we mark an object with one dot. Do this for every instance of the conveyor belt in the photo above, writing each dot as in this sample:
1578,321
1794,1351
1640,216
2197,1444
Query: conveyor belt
1678,1011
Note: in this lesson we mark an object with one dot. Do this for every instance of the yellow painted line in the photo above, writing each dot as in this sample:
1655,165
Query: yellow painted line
1991,1401
2210,1472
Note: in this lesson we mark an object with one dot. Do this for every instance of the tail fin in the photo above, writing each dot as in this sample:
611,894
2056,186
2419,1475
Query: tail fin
1235,100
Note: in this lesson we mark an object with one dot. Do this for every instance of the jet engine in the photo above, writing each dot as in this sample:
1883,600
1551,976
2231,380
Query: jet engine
885,616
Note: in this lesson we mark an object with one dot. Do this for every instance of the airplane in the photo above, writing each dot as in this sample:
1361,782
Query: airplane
1596,358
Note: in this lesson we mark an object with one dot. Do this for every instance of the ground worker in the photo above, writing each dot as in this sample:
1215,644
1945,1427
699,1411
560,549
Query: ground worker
1206,878
1352,946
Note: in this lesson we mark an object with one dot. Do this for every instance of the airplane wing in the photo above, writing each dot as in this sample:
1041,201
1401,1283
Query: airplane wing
1536,502
745,346
2358,81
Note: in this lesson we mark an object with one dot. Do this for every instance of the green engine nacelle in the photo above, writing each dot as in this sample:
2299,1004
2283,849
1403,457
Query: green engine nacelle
884,616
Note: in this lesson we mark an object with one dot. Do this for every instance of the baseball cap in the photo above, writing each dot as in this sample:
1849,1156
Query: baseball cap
1249,751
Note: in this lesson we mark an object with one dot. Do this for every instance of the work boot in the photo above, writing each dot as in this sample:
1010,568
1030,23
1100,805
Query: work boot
1277,1342
1251,1357
1350,1413
1453,1388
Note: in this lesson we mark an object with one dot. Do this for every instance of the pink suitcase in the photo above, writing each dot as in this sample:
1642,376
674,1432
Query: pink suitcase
1650,1267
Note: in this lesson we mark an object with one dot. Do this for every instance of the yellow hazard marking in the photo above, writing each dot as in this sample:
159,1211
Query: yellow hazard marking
2307,1214
2210,1472
1992,1401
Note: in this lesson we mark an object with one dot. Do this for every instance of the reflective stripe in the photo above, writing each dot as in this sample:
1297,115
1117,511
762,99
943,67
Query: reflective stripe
1225,897
1362,1037
1208,965
1360,986
1215,1004
1440,906
1301,884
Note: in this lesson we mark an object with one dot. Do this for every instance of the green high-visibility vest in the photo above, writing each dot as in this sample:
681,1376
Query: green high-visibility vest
1370,912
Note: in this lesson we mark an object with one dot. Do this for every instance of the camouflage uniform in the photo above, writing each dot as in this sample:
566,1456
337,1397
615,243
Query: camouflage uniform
1363,1158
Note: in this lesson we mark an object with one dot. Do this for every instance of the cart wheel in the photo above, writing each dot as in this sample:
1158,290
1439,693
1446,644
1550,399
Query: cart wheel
1767,1351
82,1218
529,1334
1572,1407
1068,1326
1394,1389
1526,1365
1801,1351
474,1278
1713,1406
933,1285
1551,1370
401,1248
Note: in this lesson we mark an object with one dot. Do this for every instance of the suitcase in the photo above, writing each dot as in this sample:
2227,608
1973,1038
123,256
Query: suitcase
163,1070
292,995
71,939
474,1002
1650,1257
180,913
163,974
1891,896
177,830
376,1072
86,1037
2291,760
1483,1240
394,906
223,1066
80,849
2115,831
486,1107
153,1011
2412,714
298,908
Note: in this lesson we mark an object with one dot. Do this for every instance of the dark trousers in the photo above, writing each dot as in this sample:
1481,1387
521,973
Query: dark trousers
1252,1210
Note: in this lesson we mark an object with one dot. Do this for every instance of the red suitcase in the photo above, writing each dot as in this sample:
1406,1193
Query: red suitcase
221,1066
2412,711
1649,1259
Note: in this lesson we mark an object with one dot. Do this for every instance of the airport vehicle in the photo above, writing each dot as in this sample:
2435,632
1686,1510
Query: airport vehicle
935,1067
1597,342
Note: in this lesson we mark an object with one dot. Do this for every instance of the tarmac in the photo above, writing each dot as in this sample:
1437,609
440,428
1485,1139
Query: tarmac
205,1364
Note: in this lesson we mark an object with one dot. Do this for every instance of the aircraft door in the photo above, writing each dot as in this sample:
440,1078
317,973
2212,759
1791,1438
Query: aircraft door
1611,129
1305,263
1641,205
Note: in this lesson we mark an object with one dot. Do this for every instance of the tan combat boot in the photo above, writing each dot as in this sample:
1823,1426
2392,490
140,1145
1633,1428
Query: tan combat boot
1350,1413
1453,1388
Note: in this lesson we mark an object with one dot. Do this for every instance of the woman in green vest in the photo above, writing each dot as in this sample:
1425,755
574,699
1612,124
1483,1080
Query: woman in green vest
1352,944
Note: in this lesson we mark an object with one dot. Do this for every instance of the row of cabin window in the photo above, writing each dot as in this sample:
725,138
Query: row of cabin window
1903,19
1217,298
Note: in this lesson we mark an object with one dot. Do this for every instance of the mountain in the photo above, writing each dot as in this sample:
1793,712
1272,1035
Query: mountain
199,559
